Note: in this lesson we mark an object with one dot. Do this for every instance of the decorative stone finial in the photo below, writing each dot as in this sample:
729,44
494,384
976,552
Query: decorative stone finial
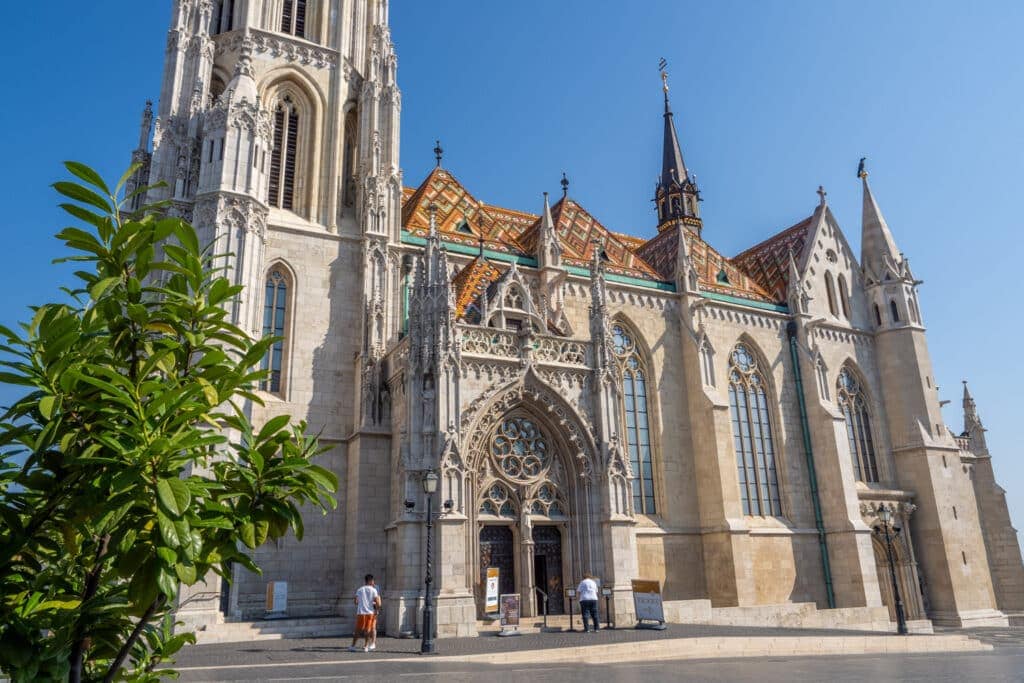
821,195
432,210
861,170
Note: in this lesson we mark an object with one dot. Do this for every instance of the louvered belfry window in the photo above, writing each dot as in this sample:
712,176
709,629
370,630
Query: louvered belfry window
293,18
282,158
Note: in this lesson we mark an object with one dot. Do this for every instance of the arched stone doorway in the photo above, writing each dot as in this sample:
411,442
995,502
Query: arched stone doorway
906,578
530,469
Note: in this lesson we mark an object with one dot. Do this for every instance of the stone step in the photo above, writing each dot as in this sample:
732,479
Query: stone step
274,629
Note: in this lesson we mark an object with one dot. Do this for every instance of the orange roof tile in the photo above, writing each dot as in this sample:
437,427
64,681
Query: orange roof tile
768,262
472,281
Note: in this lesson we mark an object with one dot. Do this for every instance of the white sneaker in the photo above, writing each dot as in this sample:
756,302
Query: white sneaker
372,648
366,649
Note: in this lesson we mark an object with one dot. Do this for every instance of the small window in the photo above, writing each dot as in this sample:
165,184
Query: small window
844,297
894,311
830,289
878,315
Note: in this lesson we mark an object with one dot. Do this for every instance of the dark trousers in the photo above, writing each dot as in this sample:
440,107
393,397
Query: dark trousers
589,607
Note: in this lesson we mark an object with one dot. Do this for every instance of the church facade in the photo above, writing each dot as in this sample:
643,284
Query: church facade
633,407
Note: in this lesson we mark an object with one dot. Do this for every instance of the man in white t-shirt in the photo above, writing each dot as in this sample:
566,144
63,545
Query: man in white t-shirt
587,592
367,605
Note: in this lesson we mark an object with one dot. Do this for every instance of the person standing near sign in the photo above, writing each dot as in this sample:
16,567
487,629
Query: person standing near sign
587,590
367,604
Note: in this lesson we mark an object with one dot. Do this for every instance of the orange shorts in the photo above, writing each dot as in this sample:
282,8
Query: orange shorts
366,623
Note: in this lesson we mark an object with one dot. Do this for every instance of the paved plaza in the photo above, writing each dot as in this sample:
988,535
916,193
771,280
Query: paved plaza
325,659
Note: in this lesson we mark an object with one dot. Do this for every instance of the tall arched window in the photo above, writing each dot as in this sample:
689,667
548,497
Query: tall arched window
844,297
830,289
858,426
894,310
638,431
293,18
752,436
282,158
223,16
275,314
878,315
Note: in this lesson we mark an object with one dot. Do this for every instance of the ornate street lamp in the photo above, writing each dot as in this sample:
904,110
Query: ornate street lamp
430,480
889,532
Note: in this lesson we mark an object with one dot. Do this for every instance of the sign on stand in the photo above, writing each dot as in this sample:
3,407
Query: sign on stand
647,603
509,614
491,601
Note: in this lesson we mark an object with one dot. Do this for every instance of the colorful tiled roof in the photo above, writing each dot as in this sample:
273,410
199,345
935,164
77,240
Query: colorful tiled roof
472,281
758,274
768,262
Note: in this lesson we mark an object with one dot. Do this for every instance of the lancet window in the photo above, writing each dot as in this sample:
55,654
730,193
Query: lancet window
752,436
275,315
293,18
283,156
635,408
858,426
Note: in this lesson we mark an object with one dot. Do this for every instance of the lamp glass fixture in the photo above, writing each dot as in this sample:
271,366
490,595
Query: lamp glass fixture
430,482
884,514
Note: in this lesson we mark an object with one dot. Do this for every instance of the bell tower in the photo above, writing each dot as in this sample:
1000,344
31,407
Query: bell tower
276,134
676,196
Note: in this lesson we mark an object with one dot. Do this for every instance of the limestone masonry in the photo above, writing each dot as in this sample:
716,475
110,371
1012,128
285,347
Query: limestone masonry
633,407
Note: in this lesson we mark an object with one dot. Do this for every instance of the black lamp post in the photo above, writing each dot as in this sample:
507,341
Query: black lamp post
883,530
427,646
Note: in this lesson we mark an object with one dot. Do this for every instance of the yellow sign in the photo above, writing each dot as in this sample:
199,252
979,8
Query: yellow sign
491,596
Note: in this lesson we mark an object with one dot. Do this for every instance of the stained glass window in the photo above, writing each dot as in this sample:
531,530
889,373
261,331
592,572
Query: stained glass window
275,310
752,436
858,427
635,407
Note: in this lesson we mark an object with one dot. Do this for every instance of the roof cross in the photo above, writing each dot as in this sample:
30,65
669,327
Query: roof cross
822,194
438,152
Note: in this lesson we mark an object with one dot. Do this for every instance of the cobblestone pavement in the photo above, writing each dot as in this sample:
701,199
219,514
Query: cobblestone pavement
314,649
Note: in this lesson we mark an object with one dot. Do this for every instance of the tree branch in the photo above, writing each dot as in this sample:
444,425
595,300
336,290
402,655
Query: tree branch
92,582
122,654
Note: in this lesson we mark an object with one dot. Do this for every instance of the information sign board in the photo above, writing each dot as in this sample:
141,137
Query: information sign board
491,600
647,600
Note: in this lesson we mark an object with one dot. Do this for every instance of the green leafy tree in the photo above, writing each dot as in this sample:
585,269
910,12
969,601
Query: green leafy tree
118,479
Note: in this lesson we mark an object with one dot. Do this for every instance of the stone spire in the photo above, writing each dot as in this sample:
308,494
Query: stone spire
145,126
877,246
676,194
549,249
973,429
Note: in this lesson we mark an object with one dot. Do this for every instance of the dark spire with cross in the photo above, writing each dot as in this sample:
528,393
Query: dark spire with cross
676,194
565,185
438,152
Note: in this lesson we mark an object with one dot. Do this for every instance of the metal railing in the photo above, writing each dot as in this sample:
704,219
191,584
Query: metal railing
544,597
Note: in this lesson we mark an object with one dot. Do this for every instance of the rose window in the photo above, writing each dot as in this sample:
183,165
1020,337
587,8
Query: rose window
520,450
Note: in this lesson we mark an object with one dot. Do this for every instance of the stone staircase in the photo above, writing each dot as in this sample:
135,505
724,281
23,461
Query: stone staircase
274,629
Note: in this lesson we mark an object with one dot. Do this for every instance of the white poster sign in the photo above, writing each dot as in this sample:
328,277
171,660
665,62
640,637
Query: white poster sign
647,600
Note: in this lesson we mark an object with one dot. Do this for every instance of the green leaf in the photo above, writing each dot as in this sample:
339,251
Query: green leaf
96,291
248,534
273,426
186,572
168,530
209,392
82,194
87,174
46,406
174,495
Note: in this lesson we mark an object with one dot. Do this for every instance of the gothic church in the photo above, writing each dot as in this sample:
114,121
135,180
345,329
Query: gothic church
629,406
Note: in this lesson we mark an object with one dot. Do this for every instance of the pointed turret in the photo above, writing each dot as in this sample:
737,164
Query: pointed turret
676,195
973,429
877,247
549,249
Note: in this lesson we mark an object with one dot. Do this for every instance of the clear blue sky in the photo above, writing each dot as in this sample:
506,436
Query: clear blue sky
771,98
